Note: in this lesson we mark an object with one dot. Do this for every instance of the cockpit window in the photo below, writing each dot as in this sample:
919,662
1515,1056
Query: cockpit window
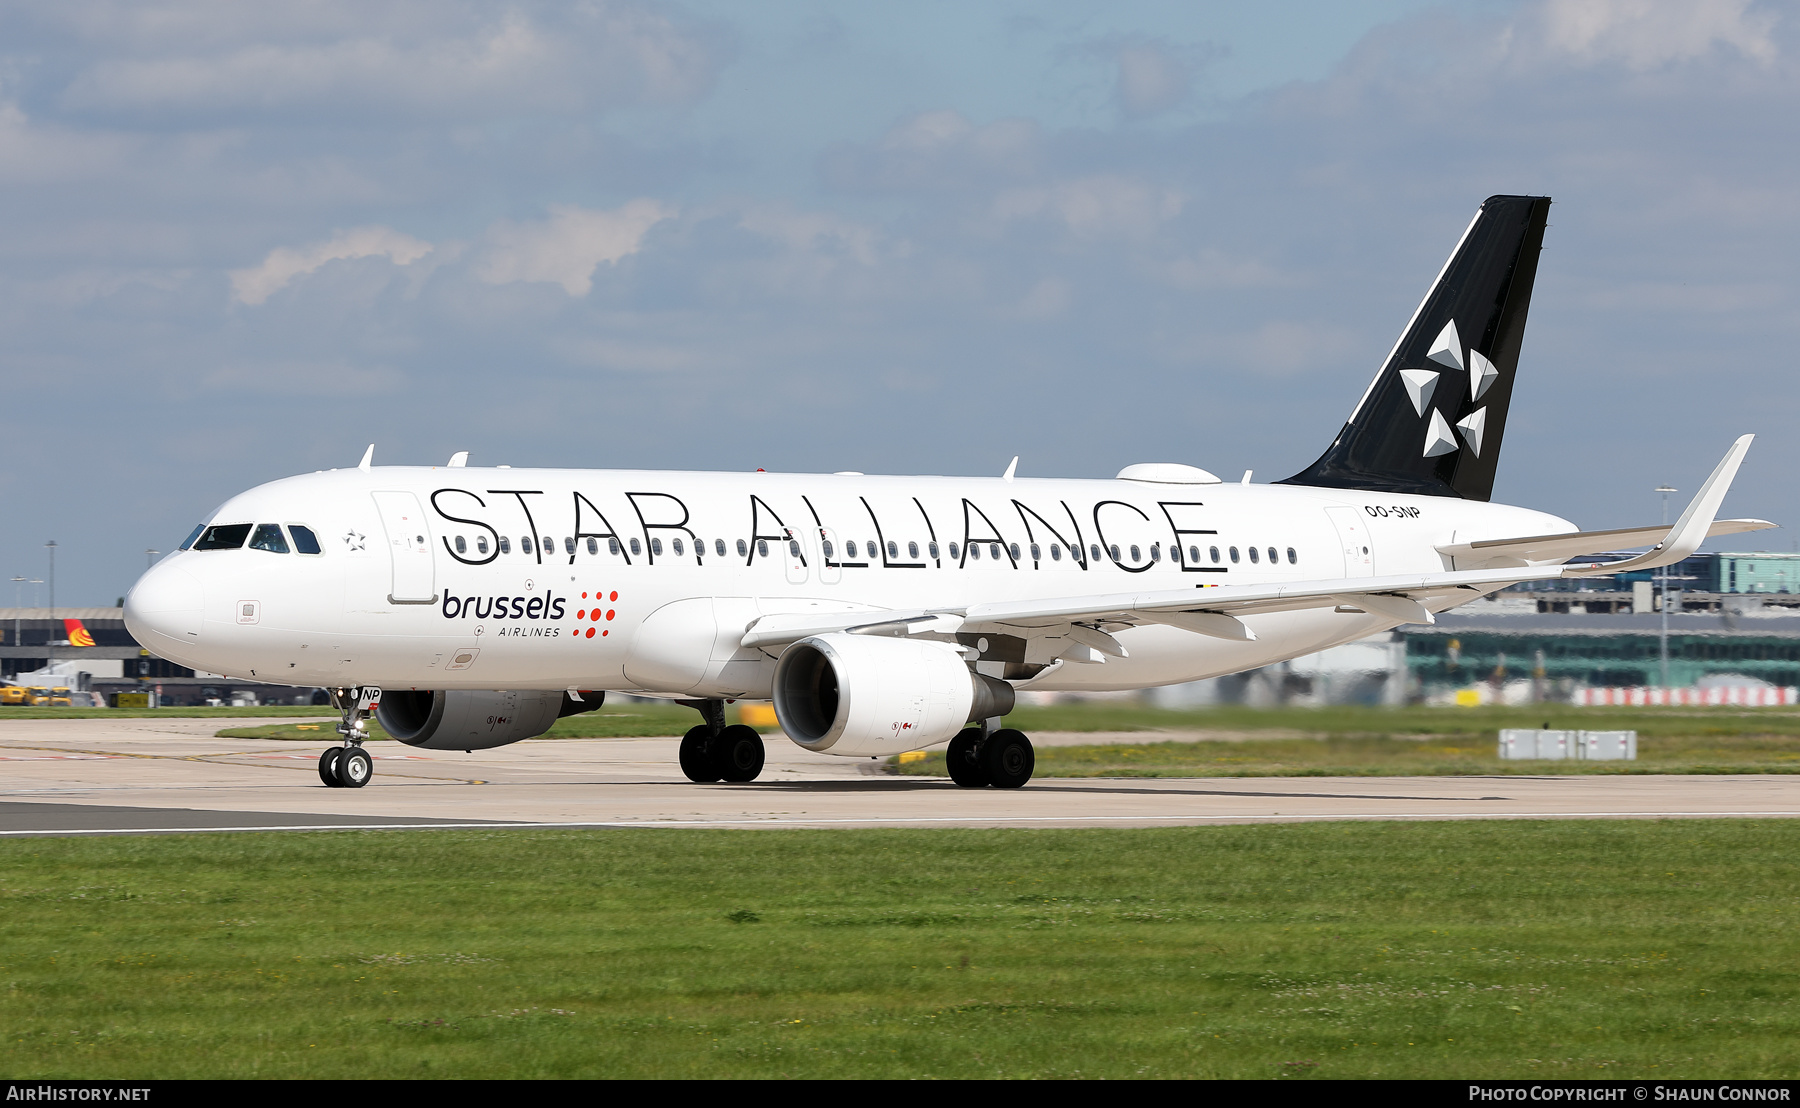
305,542
268,536
192,535
225,536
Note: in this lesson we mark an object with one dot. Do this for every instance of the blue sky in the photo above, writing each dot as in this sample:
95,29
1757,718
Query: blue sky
243,241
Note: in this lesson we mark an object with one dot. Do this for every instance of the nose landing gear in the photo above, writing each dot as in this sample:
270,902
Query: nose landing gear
349,766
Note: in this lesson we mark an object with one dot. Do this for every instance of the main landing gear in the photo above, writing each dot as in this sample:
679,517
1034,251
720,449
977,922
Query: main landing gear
715,752
349,766
1001,758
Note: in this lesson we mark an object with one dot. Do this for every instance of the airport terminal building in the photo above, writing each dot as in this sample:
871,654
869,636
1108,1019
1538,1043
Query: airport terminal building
33,640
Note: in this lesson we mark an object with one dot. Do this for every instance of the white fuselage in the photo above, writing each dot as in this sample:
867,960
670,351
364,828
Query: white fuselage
459,578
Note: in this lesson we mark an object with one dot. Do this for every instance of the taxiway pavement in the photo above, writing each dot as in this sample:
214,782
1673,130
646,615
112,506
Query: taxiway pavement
138,775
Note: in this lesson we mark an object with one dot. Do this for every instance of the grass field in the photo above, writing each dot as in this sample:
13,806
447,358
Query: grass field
21,712
1549,949
1408,741
610,722
1298,741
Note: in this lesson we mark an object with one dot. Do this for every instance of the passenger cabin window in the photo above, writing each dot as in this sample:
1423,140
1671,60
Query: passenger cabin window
505,545
743,549
975,552
762,548
1056,551
1273,557
228,536
524,544
1253,557
635,548
568,545
1234,554
1013,548
933,547
593,545
268,537
953,551
462,545
850,548
719,547
1114,551
1214,551
1292,557
826,546
893,549
549,546
1194,555
305,542
1037,553
612,547
678,548
481,544
655,547
912,550
192,535
994,551
1135,556
1156,552
1094,550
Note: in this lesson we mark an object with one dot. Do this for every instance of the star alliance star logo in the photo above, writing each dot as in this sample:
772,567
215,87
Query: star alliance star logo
1421,383
353,540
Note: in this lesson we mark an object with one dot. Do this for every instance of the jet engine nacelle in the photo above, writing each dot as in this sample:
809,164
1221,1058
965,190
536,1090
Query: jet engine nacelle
863,695
474,720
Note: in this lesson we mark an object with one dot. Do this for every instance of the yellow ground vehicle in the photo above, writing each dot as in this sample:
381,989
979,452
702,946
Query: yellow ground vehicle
12,694
59,697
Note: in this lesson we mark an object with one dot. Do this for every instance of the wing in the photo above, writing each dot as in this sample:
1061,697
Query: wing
1556,548
1217,611
1207,611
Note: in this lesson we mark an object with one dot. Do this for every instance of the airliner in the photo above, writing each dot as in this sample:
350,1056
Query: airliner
465,608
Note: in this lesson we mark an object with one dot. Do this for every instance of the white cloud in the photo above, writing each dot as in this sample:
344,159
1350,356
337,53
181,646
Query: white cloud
817,233
1093,207
307,378
432,59
1649,33
1152,78
938,151
257,283
569,246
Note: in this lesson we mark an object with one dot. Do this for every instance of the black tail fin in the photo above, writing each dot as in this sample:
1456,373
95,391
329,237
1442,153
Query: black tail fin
1432,420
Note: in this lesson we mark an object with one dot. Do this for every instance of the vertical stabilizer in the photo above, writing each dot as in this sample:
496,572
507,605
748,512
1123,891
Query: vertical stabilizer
1432,420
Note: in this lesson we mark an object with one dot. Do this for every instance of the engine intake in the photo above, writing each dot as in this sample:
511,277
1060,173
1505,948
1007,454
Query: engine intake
475,720
861,695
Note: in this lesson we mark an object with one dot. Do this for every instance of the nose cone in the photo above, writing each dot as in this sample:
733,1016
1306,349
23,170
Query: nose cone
164,610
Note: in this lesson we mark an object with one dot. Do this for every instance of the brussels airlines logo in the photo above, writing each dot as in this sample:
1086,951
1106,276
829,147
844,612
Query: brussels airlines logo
548,606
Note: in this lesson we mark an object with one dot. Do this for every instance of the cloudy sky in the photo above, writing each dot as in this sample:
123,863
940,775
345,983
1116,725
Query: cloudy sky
245,240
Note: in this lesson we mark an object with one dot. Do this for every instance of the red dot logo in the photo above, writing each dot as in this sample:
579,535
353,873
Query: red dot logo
609,613
613,597
582,614
590,633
